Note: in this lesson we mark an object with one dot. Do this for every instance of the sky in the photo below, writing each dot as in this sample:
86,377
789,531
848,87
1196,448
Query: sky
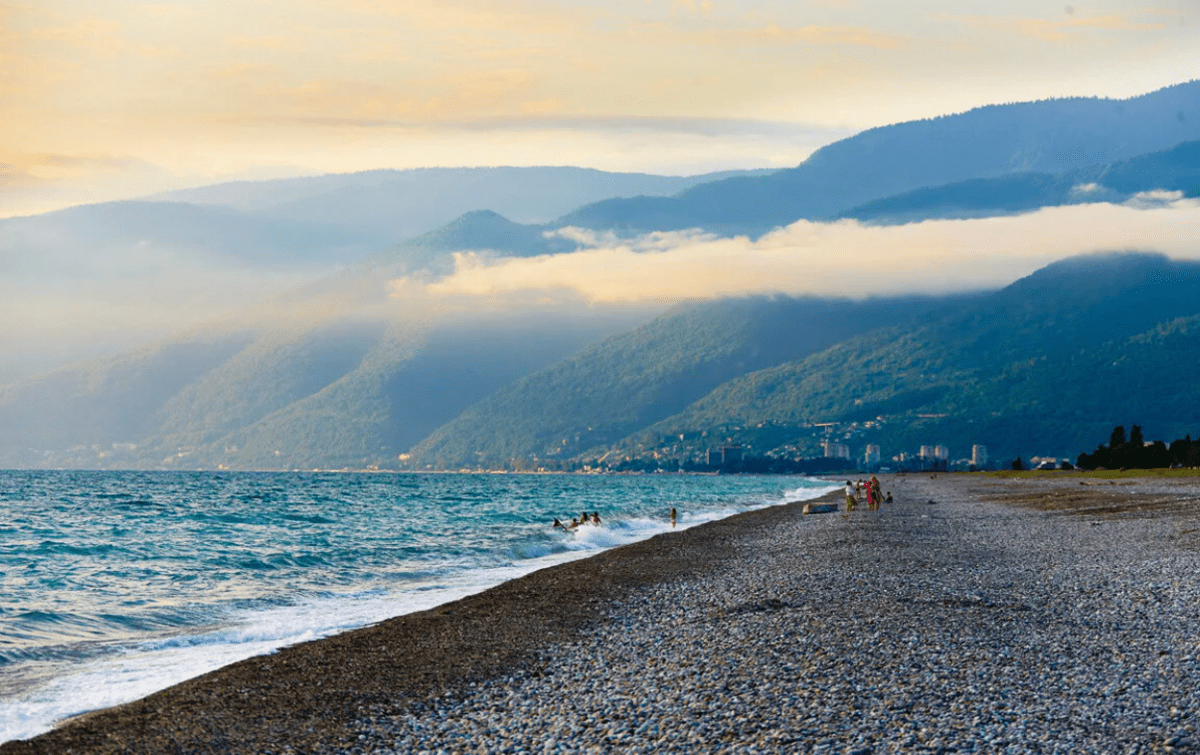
110,100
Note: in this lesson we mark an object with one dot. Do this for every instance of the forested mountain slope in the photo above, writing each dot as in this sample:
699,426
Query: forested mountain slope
626,382
1044,365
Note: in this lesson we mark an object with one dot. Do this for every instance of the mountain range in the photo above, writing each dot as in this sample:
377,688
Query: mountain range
1051,136
338,373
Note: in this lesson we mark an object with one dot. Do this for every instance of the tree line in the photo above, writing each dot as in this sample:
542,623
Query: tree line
1133,452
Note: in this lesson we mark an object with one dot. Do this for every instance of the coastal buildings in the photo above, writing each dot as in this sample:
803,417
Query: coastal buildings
835,450
724,455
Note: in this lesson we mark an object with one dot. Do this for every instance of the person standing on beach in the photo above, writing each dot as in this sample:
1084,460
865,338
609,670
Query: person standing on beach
851,496
874,494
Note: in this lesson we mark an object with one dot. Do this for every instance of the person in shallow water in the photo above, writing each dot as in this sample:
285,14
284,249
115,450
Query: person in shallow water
584,518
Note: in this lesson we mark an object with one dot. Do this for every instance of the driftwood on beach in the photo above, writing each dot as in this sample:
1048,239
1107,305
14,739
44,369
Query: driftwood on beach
1062,616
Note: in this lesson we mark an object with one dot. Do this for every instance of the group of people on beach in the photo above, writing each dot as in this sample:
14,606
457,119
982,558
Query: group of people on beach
855,492
579,521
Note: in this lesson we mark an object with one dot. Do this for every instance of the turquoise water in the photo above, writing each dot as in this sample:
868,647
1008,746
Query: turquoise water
116,584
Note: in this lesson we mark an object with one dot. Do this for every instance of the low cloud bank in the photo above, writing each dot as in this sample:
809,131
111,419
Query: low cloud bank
845,258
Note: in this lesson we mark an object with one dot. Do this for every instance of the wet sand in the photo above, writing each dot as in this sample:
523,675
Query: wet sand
369,689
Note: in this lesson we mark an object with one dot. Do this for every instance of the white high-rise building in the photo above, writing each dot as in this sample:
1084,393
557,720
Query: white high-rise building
872,455
836,450
941,453
979,456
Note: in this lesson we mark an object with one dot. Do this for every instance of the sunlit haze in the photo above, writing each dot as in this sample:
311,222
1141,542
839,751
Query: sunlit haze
116,99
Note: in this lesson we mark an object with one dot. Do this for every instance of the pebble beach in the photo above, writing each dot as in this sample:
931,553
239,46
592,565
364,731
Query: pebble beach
974,614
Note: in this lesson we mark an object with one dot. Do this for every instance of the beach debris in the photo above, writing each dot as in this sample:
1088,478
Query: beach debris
819,508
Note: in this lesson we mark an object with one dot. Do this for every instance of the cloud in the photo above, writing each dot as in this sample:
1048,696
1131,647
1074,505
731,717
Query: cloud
1060,30
1145,200
36,182
845,258
853,36
94,35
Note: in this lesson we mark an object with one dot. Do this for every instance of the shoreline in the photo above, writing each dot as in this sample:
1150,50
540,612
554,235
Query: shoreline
41,697
449,642
362,691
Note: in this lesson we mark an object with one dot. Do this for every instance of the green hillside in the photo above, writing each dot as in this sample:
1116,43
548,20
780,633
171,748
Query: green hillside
338,373
626,382
333,374
1042,366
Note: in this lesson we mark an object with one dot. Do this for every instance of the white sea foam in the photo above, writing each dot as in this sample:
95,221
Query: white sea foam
143,668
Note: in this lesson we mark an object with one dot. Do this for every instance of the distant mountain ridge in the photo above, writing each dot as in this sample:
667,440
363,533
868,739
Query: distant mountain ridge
1173,170
1051,136
278,232
395,205
334,374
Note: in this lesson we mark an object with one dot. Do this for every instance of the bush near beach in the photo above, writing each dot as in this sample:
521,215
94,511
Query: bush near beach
1135,453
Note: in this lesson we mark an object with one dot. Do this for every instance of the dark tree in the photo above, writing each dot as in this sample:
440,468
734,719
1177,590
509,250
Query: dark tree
1137,454
1017,465
1157,456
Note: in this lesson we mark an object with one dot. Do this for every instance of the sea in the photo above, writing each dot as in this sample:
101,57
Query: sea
114,585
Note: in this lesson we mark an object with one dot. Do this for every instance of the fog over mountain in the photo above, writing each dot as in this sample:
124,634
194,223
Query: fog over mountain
285,332
391,205
846,257
95,279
